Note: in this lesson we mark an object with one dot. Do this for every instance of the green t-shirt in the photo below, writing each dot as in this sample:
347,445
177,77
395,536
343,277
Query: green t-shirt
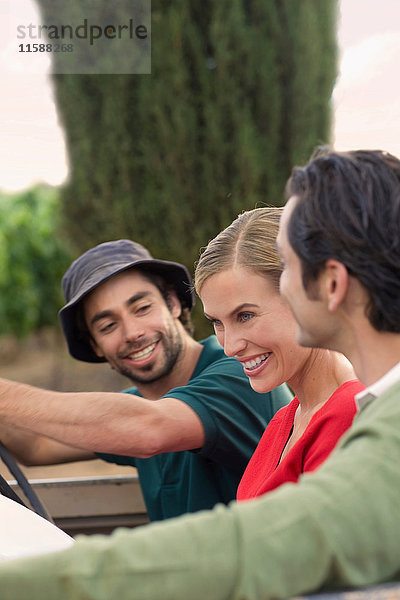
234,417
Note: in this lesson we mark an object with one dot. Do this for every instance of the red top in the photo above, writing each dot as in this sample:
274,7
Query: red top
264,471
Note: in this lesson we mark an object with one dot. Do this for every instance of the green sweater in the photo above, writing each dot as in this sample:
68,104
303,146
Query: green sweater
339,526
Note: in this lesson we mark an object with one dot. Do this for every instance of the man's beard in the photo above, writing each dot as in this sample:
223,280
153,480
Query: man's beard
172,345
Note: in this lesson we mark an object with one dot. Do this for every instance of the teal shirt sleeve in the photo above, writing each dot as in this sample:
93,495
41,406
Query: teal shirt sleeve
233,415
339,526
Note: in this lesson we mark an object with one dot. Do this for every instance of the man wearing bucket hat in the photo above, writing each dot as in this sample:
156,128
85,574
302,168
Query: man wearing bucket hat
191,422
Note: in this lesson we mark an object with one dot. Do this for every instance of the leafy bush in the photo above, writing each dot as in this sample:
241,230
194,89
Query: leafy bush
33,258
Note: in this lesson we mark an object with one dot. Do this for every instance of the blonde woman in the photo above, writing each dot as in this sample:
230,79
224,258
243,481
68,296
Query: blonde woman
237,279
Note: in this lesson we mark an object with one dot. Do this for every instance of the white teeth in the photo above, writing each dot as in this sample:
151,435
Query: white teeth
251,364
142,353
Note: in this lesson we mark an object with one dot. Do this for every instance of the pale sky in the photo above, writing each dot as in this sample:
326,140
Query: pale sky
367,94
366,97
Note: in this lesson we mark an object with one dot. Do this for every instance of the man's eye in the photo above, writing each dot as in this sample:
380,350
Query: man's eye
107,328
144,308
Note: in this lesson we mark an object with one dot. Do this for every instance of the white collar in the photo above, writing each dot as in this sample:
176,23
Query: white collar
376,389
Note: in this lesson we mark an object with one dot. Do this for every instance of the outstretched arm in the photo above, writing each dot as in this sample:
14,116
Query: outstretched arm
31,449
104,422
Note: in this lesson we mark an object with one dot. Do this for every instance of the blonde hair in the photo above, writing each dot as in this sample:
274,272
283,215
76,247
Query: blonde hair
250,242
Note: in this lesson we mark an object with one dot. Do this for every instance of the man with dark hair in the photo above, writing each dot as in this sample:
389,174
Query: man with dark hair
337,527
191,422
329,221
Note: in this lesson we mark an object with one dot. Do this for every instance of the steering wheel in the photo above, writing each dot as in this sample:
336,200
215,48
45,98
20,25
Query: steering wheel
6,489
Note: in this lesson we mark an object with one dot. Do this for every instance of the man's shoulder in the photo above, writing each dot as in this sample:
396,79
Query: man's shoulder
213,359
131,390
212,346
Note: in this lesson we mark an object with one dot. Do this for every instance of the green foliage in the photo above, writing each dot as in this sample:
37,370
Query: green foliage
32,261
239,93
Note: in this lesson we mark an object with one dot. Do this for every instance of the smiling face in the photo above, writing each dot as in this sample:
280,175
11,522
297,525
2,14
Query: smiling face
132,327
316,327
255,325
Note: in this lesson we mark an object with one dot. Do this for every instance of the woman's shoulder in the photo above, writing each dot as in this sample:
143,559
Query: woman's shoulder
287,411
346,392
341,406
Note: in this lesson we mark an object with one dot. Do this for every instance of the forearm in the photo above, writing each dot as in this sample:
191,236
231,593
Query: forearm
91,421
31,449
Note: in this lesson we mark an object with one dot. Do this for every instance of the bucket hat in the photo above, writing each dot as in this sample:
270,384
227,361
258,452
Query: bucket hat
99,264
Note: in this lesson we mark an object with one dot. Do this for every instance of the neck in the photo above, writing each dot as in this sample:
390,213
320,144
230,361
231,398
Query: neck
180,374
320,377
373,354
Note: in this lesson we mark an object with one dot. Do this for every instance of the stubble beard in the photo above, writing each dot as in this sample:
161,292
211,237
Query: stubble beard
172,344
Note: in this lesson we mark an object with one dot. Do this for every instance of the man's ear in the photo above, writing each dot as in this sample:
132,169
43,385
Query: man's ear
95,348
336,282
173,303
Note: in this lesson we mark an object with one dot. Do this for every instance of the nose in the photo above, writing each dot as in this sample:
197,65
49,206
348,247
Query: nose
232,342
132,329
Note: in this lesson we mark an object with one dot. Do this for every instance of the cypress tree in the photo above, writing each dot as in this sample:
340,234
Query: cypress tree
240,91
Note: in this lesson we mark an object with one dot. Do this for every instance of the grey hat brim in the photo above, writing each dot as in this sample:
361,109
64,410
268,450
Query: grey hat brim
174,273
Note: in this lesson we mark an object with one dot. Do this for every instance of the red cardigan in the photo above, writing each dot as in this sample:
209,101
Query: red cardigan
264,471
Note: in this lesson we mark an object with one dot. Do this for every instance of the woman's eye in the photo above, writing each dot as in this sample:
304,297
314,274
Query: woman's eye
245,316
216,323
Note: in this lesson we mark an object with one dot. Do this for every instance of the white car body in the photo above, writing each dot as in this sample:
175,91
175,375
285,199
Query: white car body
24,533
